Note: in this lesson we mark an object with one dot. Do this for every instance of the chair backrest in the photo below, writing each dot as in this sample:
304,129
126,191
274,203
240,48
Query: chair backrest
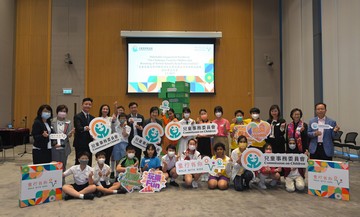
1,143
337,138
351,137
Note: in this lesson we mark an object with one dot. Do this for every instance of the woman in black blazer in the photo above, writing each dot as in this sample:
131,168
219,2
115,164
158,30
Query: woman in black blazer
41,130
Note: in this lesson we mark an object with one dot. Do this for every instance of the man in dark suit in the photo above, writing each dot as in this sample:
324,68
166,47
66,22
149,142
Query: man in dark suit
82,135
321,145
136,122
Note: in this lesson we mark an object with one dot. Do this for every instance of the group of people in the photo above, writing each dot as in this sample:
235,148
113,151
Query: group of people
293,137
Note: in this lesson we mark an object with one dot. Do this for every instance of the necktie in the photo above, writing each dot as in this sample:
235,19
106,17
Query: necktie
87,117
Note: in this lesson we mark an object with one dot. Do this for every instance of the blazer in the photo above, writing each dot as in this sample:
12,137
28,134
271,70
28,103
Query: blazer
82,138
37,130
131,125
328,137
66,142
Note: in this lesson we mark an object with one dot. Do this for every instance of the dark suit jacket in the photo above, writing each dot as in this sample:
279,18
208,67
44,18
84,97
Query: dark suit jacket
37,130
82,138
131,125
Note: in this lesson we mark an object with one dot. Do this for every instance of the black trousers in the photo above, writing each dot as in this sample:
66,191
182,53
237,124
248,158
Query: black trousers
242,182
320,153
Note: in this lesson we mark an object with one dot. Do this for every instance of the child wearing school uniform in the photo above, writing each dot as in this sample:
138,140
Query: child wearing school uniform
123,130
150,161
128,161
168,165
294,177
183,141
269,172
191,154
240,176
83,187
101,177
221,178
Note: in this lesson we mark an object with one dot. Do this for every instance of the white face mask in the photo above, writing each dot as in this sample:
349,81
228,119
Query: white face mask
255,116
171,153
218,114
101,161
131,155
292,146
186,115
192,147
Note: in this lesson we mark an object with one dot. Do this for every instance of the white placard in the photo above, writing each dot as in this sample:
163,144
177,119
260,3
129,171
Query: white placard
204,165
141,143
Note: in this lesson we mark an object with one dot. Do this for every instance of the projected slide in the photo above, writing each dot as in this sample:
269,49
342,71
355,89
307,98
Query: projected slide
150,64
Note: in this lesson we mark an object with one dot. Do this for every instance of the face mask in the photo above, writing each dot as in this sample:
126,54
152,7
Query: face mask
186,115
255,116
242,145
45,115
62,114
131,155
83,162
101,161
171,154
204,117
122,121
292,146
218,114
239,119
192,147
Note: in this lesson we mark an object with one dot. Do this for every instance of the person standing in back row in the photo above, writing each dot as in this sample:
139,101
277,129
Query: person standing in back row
82,135
135,122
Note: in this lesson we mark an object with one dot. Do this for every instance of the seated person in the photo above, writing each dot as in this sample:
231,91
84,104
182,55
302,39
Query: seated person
168,165
221,178
191,154
150,161
269,172
128,161
83,187
101,177
292,175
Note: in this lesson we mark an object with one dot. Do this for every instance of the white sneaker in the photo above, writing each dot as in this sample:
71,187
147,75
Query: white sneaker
195,184
262,186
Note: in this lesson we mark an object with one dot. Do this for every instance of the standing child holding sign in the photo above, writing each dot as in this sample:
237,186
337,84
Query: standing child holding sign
185,121
123,130
221,179
191,154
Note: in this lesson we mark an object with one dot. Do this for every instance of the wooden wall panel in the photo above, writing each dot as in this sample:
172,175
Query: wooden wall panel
32,58
106,62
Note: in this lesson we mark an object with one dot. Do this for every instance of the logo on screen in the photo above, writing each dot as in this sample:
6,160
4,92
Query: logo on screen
135,48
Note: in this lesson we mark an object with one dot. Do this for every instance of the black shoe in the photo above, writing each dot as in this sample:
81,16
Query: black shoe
98,194
88,196
173,183
121,190
68,197
112,175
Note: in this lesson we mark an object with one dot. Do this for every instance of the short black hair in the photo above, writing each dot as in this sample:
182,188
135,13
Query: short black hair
218,109
82,154
87,99
121,115
186,110
219,144
173,147
100,153
171,110
239,111
266,146
254,110
150,145
41,108
154,108
130,147
320,103
120,106
61,107
133,103
296,110
241,137
202,110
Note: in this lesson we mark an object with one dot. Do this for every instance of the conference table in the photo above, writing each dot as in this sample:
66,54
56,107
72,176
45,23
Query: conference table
14,137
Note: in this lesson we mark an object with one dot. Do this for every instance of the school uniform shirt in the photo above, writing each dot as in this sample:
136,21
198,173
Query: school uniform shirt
170,162
183,141
195,156
97,179
81,177
153,163
237,169
119,129
126,162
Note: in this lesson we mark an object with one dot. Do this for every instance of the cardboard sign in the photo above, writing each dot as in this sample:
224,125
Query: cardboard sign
165,105
175,130
58,137
258,132
253,159
141,143
240,130
153,132
101,132
204,165
329,179
130,179
152,181
40,183
317,126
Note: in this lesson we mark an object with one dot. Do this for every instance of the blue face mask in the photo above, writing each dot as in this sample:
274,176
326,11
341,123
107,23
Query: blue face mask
45,115
239,119
122,121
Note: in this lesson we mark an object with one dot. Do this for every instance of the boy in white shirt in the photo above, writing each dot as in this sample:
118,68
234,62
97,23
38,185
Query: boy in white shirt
168,162
83,187
101,177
